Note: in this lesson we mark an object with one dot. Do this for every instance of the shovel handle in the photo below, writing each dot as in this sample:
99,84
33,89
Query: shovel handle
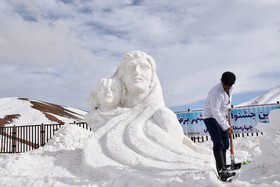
230,136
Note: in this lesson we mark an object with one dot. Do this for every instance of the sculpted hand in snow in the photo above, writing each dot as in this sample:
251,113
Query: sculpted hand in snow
145,133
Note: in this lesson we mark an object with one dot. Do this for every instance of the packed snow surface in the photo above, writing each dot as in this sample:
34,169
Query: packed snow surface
60,163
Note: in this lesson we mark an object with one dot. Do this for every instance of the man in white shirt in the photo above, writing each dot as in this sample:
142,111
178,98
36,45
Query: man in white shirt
217,103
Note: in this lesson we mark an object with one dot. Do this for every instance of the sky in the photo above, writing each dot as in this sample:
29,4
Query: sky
57,50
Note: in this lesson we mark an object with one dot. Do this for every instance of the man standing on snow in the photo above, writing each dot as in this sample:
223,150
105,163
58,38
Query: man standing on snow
217,103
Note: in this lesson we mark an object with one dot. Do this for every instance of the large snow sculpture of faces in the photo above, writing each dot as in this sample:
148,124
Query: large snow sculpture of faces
132,127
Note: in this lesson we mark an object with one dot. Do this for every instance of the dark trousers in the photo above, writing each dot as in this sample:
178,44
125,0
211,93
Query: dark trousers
218,136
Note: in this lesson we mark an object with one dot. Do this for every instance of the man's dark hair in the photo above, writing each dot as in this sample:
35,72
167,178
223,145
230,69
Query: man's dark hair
228,78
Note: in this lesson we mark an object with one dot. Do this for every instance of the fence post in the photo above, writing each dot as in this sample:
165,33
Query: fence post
42,134
14,137
2,140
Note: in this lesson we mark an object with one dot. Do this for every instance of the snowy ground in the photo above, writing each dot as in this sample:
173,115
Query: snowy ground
59,163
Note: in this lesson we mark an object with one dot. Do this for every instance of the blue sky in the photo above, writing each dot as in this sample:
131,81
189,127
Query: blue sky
57,50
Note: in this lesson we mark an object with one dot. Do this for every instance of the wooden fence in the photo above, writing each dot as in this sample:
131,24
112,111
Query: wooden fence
18,139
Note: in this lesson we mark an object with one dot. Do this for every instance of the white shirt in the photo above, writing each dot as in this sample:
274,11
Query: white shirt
217,105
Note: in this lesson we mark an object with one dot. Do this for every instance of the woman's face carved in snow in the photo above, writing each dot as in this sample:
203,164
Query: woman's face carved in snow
138,75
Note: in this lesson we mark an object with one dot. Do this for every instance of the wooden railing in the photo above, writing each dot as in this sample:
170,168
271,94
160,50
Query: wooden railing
18,139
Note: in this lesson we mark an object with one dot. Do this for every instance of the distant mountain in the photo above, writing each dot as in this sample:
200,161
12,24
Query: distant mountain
269,97
24,111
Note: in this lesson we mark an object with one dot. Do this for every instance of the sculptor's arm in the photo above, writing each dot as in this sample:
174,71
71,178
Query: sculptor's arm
167,120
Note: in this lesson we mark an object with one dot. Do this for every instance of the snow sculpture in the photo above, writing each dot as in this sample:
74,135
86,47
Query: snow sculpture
104,103
132,126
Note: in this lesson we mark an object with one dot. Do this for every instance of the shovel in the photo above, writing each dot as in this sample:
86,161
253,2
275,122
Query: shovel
233,166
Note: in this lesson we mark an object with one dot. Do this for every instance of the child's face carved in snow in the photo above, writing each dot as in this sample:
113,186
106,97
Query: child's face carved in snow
108,94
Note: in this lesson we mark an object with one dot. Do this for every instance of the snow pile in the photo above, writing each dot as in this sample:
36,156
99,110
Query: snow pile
55,164
270,143
70,137
59,163
265,167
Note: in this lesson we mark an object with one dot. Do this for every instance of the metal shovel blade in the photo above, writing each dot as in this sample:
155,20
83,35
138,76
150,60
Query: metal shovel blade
234,166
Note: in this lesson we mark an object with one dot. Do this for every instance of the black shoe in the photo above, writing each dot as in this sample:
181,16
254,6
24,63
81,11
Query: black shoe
225,175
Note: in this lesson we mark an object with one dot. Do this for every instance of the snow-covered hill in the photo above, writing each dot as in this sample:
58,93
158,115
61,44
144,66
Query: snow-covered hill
23,111
269,97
